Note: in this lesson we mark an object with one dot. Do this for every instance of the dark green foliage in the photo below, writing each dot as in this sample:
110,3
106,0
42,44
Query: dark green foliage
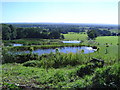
20,32
38,33
92,34
94,47
85,70
107,77
54,34
54,60
33,63
76,29
20,58
60,60
104,33
10,33
49,32
26,57
6,32
13,32
7,57
62,37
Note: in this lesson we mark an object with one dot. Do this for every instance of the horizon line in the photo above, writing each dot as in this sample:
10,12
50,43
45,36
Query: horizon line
63,22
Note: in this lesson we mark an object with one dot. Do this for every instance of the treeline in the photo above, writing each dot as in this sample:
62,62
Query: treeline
51,31
62,28
68,27
9,32
93,33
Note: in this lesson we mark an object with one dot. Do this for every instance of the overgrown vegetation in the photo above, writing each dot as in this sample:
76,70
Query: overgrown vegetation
83,76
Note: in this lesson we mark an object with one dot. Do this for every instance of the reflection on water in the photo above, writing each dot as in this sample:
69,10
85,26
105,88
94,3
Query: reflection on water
63,49
17,44
71,41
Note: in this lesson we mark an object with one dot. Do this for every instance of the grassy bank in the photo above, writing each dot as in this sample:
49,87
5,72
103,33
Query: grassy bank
106,53
22,48
32,41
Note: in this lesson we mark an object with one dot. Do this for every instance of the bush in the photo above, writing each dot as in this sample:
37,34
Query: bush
33,63
87,69
60,59
107,77
19,58
94,47
7,57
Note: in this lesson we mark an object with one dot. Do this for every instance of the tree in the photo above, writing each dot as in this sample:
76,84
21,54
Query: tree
54,34
6,32
92,34
20,33
13,32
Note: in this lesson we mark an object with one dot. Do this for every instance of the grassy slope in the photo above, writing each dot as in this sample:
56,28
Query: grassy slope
36,77
102,40
112,49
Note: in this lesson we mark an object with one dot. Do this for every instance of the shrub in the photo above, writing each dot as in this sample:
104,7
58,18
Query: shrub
85,70
94,47
7,57
19,58
33,63
60,59
107,77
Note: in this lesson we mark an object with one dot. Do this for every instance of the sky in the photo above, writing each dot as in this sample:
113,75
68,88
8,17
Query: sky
60,11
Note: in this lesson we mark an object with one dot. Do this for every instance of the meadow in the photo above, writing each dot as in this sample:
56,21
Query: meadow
75,36
101,41
60,70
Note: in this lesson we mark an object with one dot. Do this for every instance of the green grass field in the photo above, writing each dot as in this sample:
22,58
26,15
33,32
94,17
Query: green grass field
102,40
75,36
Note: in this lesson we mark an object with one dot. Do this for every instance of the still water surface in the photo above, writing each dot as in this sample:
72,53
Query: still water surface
71,41
61,49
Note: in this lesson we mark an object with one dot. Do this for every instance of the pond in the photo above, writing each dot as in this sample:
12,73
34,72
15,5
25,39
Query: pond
61,49
17,44
12,44
71,41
